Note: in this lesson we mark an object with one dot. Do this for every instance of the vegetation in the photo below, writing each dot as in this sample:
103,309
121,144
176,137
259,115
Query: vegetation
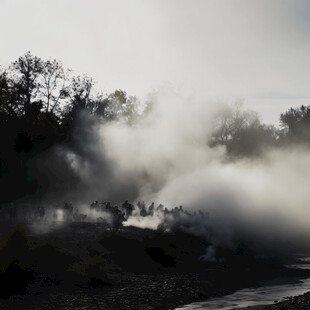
40,104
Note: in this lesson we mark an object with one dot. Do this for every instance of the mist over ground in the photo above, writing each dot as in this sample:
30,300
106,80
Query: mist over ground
76,145
176,171
165,157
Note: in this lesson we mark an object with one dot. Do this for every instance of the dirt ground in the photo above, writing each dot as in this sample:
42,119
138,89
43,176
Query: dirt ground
83,266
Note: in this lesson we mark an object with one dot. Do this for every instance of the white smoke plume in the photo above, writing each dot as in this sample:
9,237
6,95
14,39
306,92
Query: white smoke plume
165,158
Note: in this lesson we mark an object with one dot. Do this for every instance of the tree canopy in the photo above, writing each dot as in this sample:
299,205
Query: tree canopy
40,104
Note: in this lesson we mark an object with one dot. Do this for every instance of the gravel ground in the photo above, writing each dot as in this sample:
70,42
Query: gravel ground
136,292
133,277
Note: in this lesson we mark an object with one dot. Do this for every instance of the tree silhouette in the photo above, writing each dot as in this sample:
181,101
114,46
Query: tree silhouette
296,125
121,107
41,106
24,82
53,87
242,132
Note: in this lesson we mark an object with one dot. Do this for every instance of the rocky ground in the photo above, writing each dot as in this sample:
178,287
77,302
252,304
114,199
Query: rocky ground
81,266
135,292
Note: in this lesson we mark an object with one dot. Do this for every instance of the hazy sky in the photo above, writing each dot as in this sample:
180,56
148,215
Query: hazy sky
258,50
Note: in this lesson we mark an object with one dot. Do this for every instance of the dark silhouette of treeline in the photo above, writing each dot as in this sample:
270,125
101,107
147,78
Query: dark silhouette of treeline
40,104
39,107
244,135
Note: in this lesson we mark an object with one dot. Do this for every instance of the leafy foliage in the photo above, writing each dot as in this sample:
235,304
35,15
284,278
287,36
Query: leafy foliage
41,105
296,124
242,132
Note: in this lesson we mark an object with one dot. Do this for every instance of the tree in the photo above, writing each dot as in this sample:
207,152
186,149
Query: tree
53,88
117,106
25,81
36,85
81,92
120,107
229,121
242,132
82,98
296,124
6,108
39,105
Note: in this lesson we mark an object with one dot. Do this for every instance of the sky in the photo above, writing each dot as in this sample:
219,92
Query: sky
257,50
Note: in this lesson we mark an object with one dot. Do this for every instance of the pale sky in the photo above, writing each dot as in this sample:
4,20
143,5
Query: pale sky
258,50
